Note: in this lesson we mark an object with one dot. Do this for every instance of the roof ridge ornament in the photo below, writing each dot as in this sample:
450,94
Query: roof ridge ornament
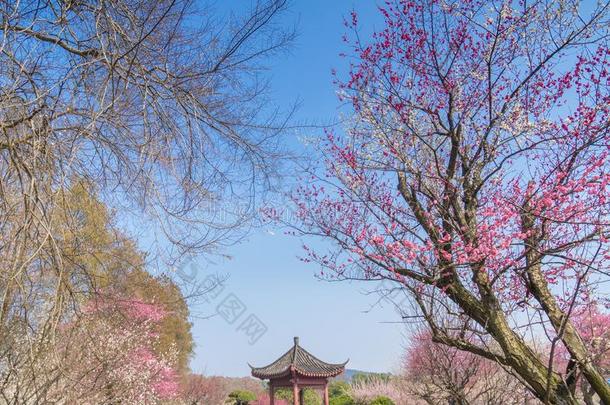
294,351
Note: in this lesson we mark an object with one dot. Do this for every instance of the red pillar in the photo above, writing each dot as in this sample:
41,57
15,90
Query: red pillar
295,392
271,394
326,394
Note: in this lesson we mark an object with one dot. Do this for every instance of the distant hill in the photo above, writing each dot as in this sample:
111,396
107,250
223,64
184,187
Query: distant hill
349,374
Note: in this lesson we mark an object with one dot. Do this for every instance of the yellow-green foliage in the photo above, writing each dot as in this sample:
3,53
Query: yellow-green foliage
100,257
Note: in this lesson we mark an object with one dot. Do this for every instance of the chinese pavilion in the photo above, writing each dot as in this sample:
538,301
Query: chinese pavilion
298,369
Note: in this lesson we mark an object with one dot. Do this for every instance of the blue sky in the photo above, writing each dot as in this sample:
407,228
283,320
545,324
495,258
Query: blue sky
335,321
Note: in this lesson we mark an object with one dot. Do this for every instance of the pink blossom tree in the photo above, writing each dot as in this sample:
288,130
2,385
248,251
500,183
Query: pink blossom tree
594,327
198,389
475,175
108,354
437,373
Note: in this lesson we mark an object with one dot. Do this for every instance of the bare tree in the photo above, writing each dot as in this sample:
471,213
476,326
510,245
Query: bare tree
157,105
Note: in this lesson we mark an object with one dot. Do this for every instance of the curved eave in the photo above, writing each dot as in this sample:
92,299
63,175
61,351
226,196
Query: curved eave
330,374
338,369
259,373
267,376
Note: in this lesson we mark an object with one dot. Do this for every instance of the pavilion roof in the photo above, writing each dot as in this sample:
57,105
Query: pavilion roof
303,362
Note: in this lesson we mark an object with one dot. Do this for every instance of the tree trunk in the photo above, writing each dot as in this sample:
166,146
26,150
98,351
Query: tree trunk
518,355
561,324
